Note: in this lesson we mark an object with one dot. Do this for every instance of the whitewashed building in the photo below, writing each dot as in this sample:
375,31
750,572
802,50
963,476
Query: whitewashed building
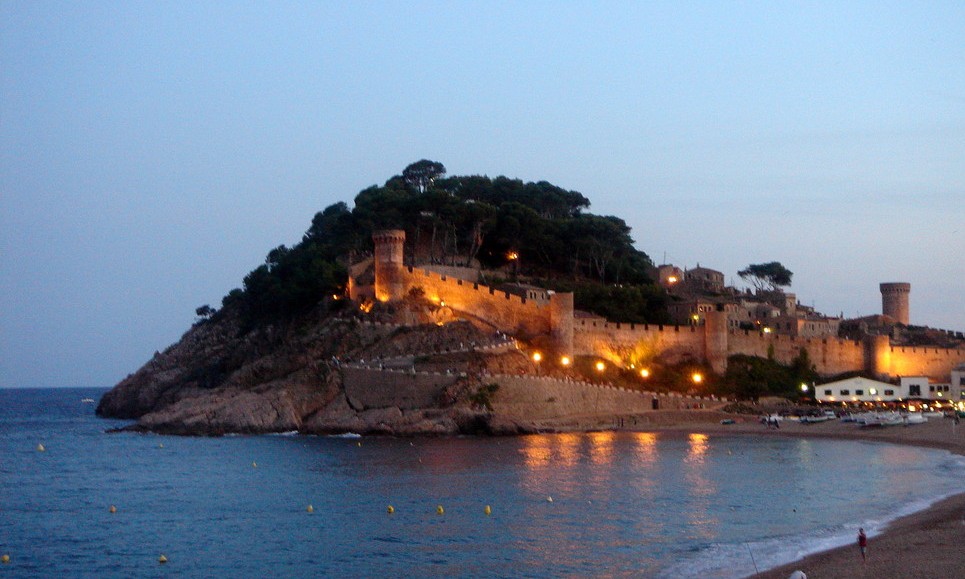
858,389
920,387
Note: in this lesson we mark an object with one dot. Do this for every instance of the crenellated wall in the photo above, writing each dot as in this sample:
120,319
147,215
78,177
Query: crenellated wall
614,340
918,361
508,312
711,342
829,355
539,398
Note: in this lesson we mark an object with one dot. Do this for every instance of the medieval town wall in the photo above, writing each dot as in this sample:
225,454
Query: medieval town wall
505,311
711,342
830,356
918,361
542,398
614,340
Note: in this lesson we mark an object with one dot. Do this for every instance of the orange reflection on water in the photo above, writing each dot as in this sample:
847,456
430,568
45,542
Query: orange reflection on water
702,488
536,451
568,449
545,450
646,447
601,447
698,447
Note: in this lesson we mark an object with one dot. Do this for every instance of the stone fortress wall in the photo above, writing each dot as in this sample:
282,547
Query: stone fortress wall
539,398
711,342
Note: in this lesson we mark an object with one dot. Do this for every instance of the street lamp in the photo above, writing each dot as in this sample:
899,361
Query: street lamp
565,361
644,373
537,358
697,377
600,366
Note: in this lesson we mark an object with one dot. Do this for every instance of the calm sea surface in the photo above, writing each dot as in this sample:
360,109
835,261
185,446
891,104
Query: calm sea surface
563,505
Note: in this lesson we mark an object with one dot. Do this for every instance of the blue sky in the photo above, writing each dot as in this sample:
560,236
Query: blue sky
152,153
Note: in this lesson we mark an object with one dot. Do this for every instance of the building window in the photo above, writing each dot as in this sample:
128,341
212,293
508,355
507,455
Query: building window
845,392
931,388
889,392
827,392
859,392
914,390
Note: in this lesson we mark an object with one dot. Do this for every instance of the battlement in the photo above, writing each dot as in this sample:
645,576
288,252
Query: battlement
643,329
442,282
713,341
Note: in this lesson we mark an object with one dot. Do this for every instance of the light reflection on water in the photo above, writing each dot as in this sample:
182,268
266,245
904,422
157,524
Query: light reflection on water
624,504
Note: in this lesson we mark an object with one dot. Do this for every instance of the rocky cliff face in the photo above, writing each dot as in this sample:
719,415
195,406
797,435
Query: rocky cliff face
289,377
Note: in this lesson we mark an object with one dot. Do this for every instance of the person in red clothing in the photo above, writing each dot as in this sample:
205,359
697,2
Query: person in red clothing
863,545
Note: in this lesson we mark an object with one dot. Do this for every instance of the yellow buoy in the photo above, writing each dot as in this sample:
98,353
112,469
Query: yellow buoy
40,448
161,445
310,509
113,509
549,499
5,559
390,509
359,443
162,559
488,510
440,510
254,465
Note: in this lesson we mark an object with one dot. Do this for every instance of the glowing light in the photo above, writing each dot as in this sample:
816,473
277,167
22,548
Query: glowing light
600,366
697,377
644,373
442,303
873,391
537,357
565,360
804,387
672,279
767,330
512,255
698,446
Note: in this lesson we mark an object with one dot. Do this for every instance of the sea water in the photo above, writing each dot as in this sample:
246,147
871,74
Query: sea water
562,505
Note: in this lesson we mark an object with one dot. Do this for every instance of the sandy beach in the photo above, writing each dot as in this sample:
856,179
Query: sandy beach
925,544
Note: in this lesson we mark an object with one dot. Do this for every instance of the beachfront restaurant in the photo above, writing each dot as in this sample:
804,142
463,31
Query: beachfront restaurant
858,389
921,387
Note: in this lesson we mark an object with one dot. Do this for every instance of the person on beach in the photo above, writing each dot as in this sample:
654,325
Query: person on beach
863,545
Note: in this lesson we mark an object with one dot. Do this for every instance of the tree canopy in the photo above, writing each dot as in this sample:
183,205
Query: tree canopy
422,174
460,220
767,276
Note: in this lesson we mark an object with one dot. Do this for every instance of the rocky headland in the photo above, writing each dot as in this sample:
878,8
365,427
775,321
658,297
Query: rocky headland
292,376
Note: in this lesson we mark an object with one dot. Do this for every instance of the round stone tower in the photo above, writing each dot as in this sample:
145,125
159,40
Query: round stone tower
389,280
894,301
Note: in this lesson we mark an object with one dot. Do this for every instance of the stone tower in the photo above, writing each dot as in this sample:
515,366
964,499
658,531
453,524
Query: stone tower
894,301
389,280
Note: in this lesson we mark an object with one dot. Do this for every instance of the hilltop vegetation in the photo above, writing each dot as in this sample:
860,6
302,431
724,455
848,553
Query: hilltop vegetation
531,230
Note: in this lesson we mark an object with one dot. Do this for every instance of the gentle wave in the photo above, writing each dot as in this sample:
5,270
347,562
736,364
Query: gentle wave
725,561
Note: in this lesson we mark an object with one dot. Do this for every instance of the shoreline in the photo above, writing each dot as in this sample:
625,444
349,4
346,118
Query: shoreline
926,543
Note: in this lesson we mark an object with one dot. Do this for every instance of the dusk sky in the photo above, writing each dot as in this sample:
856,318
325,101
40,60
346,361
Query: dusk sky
152,153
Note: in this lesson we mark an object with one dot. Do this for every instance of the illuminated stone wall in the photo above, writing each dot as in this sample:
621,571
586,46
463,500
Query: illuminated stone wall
711,342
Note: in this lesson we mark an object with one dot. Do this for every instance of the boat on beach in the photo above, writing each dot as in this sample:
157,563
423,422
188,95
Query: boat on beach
915,418
879,419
